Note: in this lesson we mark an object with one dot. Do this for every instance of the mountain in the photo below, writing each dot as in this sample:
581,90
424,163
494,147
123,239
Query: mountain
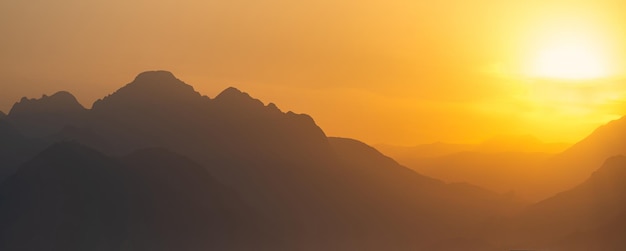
308,191
583,158
157,166
515,171
71,197
15,148
519,143
438,149
589,216
9,134
177,205
498,144
157,109
67,198
519,162
47,115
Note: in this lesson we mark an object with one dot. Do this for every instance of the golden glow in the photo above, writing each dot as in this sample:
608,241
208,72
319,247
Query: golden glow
395,71
570,60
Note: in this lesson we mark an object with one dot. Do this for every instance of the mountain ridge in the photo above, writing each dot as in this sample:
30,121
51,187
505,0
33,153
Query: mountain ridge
305,190
570,219
61,101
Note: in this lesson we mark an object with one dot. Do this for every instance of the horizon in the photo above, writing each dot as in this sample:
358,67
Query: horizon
185,125
476,142
393,72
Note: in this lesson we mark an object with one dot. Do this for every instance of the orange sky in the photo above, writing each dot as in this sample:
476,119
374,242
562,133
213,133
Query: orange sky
394,71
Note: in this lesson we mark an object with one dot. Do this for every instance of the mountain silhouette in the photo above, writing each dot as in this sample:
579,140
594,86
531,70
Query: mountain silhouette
47,115
9,134
67,198
498,144
15,148
583,158
520,163
501,172
158,166
586,217
177,205
519,143
73,198
312,191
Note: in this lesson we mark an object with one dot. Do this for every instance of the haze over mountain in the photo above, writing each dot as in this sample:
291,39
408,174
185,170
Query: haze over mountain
503,163
606,141
498,144
590,216
158,166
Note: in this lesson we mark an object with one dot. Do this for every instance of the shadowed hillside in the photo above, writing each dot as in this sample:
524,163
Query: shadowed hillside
72,198
587,217
47,115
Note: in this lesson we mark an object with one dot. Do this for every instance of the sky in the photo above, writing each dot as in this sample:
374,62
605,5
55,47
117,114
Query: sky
395,71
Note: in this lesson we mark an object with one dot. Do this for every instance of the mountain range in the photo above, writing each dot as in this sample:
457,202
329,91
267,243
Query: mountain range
158,166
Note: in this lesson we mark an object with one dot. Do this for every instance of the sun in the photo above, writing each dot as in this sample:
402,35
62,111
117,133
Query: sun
570,58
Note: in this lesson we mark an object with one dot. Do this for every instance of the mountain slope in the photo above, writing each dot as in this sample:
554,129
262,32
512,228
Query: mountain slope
47,115
313,192
15,148
68,198
583,218
501,172
414,201
73,198
583,158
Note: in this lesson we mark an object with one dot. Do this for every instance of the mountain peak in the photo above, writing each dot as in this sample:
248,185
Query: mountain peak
152,81
149,88
231,92
235,97
613,168
59,102
155,76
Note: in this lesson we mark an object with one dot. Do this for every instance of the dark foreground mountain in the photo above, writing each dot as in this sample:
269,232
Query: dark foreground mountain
73,198
15,148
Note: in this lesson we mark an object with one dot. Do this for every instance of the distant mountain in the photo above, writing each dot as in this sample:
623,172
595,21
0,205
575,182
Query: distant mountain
498,144
438,149
519,162
73,198
519,143
590,216
579,161
47,115
501,172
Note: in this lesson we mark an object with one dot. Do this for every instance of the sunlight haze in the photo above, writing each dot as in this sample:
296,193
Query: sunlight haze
396,72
